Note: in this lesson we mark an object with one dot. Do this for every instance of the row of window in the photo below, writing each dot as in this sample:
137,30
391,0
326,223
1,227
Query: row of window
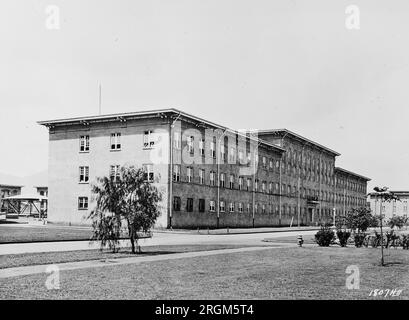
246,184
114,173
200,206
405,206
149,140
242,184
311,170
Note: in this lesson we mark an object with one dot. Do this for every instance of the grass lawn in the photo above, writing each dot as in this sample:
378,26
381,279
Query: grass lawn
29,259
15,234
11,234
280,273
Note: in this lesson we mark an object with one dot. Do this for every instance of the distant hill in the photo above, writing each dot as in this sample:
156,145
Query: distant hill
10,179
29,182
37,180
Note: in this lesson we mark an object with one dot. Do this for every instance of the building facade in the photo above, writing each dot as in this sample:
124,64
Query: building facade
390,209
7,190
210,176
42,191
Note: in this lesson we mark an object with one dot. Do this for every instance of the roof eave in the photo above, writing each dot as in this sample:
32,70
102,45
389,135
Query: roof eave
286,131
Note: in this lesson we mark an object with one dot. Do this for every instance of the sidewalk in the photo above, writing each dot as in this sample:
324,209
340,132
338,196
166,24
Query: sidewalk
17,223
158,239
29,270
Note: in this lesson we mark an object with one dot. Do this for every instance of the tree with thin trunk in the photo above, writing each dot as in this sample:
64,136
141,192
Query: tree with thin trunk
127,201
383,195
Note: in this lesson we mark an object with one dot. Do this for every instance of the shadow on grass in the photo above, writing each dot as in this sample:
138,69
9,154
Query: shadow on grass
10,222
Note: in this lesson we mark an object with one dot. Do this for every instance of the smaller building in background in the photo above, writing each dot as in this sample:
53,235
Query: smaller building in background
7,190
42,191
393,208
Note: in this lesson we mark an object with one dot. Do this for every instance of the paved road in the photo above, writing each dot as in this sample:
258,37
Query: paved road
157,239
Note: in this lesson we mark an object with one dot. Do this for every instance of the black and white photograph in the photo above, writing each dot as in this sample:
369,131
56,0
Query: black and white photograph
204,156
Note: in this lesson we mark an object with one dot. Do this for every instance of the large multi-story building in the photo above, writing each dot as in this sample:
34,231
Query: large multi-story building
392,208
209,175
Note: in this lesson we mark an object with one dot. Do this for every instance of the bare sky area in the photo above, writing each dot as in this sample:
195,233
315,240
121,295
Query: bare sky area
244,64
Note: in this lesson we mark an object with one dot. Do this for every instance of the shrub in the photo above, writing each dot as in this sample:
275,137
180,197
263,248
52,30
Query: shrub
405,241
376,241
391,239
397,221
324,237
343,237
359,239
360,219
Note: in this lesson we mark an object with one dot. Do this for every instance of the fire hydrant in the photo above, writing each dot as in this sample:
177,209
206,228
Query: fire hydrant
300,240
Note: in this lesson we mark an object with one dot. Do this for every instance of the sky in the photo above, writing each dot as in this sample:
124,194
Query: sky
256,64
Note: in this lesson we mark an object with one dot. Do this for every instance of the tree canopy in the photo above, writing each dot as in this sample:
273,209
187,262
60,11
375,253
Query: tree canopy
128,200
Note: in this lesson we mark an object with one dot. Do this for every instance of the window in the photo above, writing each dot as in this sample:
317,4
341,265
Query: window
213,148
256,185
222,180
84,174
201,147
270,187
189,174
264,162
222,153
231,207
222,206
148,139
148,168
248,185
212,178
190,145
248,207
201,176
263,208
232,155
256,208
189,205
240,183
240,156
84,143
176,140
176,203
201,205
114,173
271,165
240,207
263,187
211,206
116,141
176,172
231,182
82,203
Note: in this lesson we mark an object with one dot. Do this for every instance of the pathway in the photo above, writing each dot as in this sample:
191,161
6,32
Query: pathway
37,269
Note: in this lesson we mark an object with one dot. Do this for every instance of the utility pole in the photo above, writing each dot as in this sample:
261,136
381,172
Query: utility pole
218,151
